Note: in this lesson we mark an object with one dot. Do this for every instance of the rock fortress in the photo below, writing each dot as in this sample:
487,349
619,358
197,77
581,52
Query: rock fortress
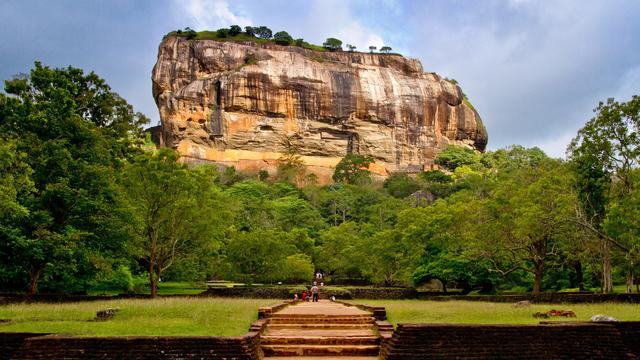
246,104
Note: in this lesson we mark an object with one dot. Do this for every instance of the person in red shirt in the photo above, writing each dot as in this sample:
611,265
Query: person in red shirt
304,295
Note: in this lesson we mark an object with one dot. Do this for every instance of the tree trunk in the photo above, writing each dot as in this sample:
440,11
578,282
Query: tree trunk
537,282
577,266
629,287
607,276
34,276
153,281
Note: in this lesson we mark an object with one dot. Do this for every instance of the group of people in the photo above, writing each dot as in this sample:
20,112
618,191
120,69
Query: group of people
314,292
312,295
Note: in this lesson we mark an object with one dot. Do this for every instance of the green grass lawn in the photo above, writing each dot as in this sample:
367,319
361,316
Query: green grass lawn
164,288
162,316
420,311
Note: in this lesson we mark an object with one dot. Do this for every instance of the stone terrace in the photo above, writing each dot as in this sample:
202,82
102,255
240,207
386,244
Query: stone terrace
322,330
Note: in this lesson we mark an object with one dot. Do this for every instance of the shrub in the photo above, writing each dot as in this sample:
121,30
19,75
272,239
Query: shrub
222,33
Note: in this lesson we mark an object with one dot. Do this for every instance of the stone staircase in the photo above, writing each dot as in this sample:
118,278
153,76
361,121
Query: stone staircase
322,330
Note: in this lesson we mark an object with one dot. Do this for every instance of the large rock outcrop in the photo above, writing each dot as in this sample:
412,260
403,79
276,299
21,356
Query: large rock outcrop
245,104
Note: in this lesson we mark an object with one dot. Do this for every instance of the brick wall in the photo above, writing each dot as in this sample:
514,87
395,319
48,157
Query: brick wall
544,342
32,346
10,343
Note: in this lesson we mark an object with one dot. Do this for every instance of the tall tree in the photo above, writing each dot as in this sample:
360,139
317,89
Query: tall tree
604,152
353,169
173,210
75,133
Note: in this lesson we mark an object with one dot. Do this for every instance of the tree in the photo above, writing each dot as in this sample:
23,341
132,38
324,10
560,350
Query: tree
250,30
533,208
191,34
385,49
400,185
353,169
222,33
234,30
291,167
282,38
266,255
172,208
74,133
332,44
622,222
604,152
15,180
372,48
297,268
340,251
263,32
351,47
455,156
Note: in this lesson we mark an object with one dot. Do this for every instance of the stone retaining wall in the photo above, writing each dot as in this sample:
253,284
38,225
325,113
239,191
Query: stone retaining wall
285,292
36,346
552,298
544,342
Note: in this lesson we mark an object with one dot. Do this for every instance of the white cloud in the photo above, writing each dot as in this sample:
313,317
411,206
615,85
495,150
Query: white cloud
209,14
334,18
534,70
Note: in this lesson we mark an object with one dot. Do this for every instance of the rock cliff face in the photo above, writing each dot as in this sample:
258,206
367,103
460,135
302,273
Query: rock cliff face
245,104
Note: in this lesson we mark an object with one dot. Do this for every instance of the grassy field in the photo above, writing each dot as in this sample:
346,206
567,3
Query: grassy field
418,311
163,316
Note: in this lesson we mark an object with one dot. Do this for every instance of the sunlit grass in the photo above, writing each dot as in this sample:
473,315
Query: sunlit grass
137,317
419,311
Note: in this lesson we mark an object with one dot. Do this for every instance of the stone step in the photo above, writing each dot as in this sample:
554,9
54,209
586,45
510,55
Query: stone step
323,357
320,350
319,316
318,326
321,332
332,320
319,340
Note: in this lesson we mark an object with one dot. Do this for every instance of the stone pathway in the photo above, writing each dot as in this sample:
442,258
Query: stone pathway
322,330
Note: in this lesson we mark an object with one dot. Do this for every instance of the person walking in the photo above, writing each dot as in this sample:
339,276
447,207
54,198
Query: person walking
314,293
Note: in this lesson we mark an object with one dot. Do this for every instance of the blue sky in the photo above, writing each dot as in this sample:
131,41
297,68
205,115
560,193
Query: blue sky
533,69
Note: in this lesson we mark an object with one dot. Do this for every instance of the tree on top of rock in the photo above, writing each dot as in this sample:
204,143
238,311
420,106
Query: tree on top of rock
385,49
263,32
234,30
332,44
283,38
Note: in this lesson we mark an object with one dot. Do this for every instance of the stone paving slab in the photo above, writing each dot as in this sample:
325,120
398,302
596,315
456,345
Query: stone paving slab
324,307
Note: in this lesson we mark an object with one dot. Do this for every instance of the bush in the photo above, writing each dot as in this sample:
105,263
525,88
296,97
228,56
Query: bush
222,33
297,268
119,280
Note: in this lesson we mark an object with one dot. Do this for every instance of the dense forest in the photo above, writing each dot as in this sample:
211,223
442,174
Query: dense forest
87,201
